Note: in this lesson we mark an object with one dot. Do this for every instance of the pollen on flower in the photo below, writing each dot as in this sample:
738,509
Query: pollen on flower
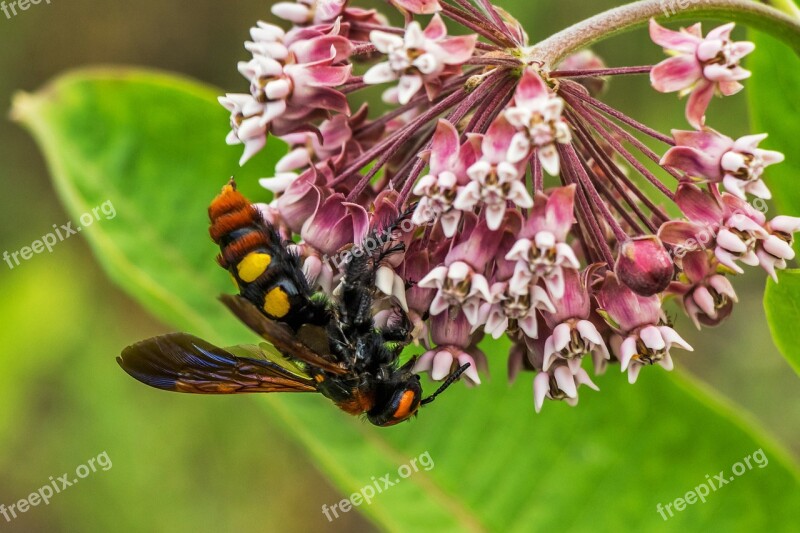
513,191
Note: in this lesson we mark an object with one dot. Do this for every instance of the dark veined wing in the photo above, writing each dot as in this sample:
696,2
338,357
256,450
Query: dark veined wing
278,334
183,363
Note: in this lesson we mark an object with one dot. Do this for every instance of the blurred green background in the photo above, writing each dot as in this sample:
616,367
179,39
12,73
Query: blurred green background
182,463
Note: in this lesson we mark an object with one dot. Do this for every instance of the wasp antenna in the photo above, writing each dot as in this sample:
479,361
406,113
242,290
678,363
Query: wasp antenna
452,378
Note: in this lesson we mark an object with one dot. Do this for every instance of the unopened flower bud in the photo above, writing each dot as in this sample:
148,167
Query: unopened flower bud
644,265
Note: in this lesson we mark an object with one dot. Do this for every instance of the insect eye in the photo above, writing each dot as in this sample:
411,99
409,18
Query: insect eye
398,406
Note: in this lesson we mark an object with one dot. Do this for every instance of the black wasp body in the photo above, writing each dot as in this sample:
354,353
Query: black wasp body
316,344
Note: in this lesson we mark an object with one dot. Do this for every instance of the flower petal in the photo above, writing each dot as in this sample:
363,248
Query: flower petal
698,103
676,74
380,73
680,41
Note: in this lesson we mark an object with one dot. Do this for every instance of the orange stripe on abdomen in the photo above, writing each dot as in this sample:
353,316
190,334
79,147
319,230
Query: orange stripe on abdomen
237,227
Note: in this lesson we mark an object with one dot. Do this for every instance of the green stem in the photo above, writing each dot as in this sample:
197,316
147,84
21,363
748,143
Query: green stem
554,49
787,6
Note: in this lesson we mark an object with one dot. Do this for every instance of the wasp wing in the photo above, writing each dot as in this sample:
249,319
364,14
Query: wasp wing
183,363
278,334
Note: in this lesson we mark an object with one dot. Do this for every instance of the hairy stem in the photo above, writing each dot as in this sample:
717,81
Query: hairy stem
787,6
554,49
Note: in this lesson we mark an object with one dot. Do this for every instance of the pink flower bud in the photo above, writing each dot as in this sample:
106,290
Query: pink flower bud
299,202
336,224
644,265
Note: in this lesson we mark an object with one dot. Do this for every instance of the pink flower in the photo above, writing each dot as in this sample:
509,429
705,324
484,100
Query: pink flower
708,297
644,265
318,272
443,360
542,251
641,338
451,333
289,83
300,200
774,250
418,7
560,383
573,334
537,117
729,225
420,58
306,149
458,286
335,224
509,310
247,122
700,66
710,156
304,12
494,180
438,190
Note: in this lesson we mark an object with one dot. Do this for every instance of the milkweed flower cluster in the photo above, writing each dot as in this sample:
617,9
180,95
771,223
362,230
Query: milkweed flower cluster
513,189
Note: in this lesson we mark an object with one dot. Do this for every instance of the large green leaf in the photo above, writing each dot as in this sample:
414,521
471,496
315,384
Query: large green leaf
782,302
774,109
153,145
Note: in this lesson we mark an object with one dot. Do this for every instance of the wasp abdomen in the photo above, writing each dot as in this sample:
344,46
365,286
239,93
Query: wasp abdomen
251,250
238,228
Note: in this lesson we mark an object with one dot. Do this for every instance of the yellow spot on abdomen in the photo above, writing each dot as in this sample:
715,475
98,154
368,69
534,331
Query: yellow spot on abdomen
276,303
252,266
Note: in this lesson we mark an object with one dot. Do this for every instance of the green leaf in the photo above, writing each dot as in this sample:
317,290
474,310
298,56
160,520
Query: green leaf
782,302
153,145
772,98
787,6
772,93
157,159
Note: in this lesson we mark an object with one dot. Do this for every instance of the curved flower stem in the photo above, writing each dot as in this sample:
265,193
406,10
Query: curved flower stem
554,49
787,6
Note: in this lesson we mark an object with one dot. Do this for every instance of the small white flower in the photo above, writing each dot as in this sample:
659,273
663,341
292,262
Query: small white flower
571,341
542,258
494,186
560,383
537,116
649,345
744,165
437,194
458,285
520,308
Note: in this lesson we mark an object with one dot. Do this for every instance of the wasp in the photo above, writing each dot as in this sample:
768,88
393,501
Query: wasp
314,343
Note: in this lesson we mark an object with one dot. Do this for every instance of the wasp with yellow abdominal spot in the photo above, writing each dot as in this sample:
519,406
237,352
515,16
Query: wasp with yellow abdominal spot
315,345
